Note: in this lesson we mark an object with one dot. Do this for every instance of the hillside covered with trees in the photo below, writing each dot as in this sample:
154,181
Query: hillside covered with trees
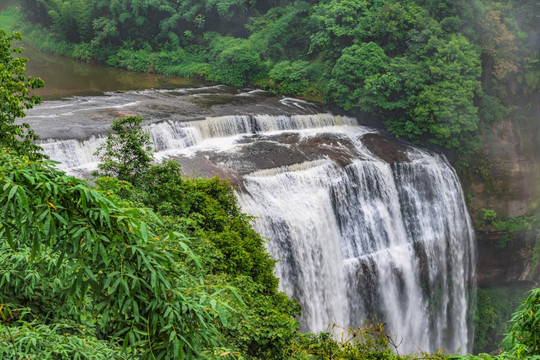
434,72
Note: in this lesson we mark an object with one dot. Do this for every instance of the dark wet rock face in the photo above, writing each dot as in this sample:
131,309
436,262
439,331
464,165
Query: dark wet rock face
261,152
505,177
500,264
386,149
264,151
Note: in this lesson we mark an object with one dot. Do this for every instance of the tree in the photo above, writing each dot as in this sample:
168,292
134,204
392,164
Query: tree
15,97
291,77
439,84
337,20
360,80
389,24
237,64
126,153
444,109
498,44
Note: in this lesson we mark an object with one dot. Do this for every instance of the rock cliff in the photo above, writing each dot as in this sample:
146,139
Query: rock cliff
505,178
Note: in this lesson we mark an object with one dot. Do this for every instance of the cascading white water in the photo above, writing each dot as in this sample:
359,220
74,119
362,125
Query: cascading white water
75,155
389,242
173,135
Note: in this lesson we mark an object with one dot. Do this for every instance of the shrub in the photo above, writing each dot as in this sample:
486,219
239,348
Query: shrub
523,339
15,98
237,64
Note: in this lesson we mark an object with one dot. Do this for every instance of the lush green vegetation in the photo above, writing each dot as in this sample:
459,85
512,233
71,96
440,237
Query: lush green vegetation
15,97
494,310
512,229
496,304
523,338
126,153
434,72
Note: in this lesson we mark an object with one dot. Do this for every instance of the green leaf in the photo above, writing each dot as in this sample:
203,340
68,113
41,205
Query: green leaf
90,274
144,231
237,297
9,238
222,316
12,192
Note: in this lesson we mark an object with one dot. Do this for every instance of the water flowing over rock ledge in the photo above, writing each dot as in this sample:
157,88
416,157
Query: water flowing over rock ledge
365,228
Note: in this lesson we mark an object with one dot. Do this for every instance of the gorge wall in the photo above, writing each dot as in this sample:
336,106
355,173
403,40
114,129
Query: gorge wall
505,177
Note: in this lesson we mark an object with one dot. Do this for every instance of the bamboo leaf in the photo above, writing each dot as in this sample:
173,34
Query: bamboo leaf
144,231
90,274
23,198
10,239
237,297
12,192
60,218
222,316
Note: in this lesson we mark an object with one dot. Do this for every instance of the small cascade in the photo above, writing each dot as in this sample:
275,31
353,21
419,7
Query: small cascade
170,135
73,154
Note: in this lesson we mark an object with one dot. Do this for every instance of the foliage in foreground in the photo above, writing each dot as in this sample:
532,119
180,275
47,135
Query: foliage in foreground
369,342
126,152
494,309
73,254
523,338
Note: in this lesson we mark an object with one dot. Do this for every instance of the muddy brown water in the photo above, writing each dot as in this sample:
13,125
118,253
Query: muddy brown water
65,76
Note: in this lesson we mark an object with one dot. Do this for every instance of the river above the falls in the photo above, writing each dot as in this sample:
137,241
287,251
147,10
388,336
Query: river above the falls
65,76
364,227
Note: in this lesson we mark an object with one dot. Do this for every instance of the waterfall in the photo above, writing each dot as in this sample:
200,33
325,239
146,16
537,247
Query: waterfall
357,237
391,243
